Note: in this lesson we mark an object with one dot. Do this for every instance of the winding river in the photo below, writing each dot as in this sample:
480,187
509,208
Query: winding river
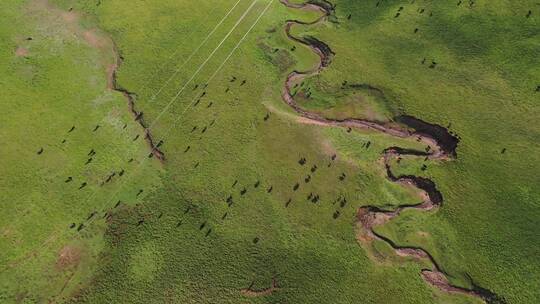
441,146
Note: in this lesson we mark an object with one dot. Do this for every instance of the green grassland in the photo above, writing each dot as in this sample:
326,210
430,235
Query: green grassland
483,87
180,241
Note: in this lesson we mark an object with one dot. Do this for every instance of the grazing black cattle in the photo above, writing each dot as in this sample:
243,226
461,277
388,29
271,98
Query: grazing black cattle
81,226
138,116
270,189
287,203
255,240
233,79
201,227
91,215
109,178
140,222
224,215
349,129
226,90
203,94
243,191
130,160
187,149
397,14
529,14
314,168
208,232
72,225
195,87
342,177
302,161
89,161
197,102
243,82
257,183
121,172
210,104
349,17
40,151
83,185
433,65
336,214
424,167
136,137
416,30
140,192
69,179
150,155
117,204
212,122
63,140
91,153
503,150
334,157
307,179
266,117
196,165
296,186
125,126
72,129
194,128
96,128
179,223
234,184
203,130
229,199
159,144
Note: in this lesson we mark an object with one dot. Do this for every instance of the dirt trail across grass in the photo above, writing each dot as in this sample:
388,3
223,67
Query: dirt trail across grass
441,146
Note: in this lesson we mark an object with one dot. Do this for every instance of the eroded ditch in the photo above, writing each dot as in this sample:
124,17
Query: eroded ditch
441,145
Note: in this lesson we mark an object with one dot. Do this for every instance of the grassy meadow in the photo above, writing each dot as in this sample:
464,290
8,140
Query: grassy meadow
232,208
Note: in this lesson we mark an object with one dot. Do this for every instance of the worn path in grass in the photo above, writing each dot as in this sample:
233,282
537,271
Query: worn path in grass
441,146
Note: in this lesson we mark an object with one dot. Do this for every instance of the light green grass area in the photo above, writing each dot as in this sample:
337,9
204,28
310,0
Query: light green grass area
182,240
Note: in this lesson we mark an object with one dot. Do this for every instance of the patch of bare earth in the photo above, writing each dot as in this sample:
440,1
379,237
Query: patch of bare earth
250,292
21,52
68,257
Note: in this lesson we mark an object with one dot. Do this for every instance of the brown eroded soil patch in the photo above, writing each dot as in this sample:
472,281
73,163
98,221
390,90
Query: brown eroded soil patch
94,39
69,256
250,292
21,52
